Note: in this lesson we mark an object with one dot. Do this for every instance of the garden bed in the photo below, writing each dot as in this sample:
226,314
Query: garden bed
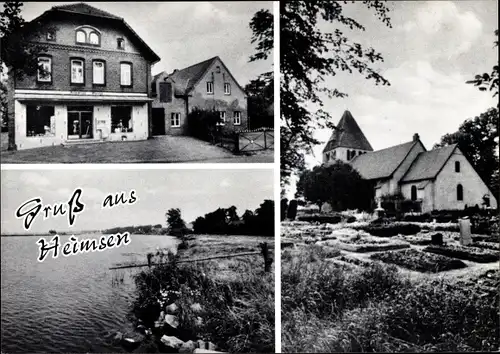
419,261
487,245
393,229
474,254
364,246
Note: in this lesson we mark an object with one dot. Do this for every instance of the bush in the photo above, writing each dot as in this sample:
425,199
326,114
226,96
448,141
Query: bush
393,229
468,253
202,124
323,219
292,209
418,217
419,261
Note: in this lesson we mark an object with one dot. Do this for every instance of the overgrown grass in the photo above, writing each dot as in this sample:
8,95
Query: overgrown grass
375,309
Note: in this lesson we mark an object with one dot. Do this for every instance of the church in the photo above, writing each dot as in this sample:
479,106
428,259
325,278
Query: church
438,179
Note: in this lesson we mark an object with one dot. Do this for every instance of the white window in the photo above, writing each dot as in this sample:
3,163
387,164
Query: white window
94,38
222,117
98,73
175,120
227,88
210,87
125,74
81,36
77,71
44,69
237,118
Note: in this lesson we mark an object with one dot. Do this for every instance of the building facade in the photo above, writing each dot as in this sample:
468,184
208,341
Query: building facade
92,85
439,179
208,85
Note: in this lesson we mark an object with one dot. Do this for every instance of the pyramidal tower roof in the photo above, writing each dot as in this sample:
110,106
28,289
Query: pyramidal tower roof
348,134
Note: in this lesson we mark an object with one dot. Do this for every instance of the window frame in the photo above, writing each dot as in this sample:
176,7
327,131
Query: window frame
28,108
104,72
122,41
98,44
237,115
228,92
76,36
131,119
49,57
131,74
71,60
177,116
211,92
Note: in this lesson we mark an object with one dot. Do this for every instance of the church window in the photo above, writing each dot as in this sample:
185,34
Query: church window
334,154
460,192
457,166
413,193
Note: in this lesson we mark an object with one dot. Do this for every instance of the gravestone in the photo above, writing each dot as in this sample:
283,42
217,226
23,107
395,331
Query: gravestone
465,234
292,209
283,209
326,208
437,239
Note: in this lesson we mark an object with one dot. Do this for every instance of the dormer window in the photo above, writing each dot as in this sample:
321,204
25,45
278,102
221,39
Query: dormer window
120,43
81,36
94,38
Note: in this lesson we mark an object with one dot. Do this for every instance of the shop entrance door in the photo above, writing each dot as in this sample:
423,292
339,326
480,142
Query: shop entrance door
80,120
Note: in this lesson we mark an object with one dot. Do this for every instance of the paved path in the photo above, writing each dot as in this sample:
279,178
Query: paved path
167,149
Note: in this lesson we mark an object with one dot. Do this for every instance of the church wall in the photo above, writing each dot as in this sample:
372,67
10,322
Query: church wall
405,165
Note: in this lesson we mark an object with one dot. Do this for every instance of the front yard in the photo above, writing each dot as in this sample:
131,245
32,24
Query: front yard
168,149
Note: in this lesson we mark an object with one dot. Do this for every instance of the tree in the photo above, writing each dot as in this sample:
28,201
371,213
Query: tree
18,52
175,222
260,101
338,184
308,57
488,81
478,140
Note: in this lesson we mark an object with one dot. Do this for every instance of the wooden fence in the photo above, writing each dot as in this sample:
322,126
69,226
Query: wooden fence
247,140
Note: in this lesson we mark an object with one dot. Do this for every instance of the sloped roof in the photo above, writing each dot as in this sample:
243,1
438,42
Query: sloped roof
85,9
382,163
428,164
348,134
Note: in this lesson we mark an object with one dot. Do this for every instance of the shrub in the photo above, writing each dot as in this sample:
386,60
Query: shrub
417,217
323,219
419,261
292,210
202,124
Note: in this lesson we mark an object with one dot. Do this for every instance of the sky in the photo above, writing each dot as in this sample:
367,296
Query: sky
432,49
185,33
195,192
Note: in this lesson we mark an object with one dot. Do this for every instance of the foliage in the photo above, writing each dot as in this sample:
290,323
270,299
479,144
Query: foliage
176,225
309,56
339,184
479,255
260,102
203,124
283,208
292,209
226,221
488,81
478,140
322,219
391,229
419,261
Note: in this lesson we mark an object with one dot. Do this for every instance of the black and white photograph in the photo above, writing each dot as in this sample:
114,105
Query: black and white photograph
157,261
136,82
389,176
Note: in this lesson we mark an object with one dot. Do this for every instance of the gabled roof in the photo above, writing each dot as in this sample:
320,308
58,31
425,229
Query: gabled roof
87,10
348,134
428,164
382,163
186,79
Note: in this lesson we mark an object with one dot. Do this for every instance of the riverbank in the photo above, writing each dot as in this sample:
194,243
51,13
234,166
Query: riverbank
222,304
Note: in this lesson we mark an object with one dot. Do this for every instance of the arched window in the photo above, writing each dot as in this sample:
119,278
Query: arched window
413,193
81,36
460,192
94,38
457,166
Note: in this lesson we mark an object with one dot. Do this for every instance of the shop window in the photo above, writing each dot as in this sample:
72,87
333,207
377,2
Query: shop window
40,120
121,119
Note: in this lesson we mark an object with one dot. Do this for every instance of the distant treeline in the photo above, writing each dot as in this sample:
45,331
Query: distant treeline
157,229
226,221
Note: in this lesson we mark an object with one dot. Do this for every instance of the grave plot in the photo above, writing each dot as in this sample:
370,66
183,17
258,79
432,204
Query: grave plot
475,254
365,244
419,261
495,246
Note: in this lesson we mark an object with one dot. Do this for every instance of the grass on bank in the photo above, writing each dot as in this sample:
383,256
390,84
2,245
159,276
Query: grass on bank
328,308
235,296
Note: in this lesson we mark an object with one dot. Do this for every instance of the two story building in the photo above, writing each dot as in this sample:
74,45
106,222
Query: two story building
93,82
208,85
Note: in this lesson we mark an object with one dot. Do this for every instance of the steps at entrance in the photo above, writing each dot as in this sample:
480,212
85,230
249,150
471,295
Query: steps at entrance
83,141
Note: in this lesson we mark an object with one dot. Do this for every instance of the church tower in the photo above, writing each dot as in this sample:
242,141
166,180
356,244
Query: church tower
346,142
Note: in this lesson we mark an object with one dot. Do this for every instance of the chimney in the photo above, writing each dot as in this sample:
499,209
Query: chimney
416,137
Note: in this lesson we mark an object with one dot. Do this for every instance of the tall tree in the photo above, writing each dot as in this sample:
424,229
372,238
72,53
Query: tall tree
478,139
174,219
488,81
308,57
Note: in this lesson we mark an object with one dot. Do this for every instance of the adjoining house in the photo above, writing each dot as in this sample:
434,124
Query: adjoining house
94,84
439,179
207,85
